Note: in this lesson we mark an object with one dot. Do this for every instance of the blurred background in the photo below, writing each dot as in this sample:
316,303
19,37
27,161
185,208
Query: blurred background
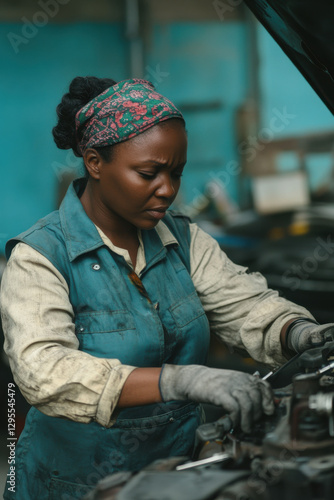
260,172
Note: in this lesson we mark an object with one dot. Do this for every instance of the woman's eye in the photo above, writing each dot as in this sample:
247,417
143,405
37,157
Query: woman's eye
146,176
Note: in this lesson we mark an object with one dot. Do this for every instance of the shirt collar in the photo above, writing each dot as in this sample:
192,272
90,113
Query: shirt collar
81,235
166,236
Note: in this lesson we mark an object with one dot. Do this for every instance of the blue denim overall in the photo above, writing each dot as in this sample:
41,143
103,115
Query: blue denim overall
58,459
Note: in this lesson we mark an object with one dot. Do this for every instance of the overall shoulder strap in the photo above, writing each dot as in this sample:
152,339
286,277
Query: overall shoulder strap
178,224
46,237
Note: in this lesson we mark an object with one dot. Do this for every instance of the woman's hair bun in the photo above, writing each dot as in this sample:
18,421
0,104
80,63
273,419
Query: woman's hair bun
81,91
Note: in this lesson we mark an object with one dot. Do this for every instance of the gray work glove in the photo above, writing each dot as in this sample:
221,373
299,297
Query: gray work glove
243,396
303,334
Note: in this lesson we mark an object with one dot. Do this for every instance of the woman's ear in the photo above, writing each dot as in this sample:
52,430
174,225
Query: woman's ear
93,162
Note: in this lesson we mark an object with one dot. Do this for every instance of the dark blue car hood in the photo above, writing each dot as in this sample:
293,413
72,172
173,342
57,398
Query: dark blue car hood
305,31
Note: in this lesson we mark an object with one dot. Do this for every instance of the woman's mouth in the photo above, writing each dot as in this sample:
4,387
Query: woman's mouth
157,213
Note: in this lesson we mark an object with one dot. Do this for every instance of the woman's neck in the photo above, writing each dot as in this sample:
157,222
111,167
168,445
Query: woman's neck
119,231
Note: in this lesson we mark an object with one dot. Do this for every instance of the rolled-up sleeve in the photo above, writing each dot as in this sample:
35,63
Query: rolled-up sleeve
42,348
242,311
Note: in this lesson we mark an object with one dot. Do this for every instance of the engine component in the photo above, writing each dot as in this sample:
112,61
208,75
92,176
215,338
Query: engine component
287,455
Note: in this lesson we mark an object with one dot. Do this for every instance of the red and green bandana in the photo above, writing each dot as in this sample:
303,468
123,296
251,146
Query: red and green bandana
122,111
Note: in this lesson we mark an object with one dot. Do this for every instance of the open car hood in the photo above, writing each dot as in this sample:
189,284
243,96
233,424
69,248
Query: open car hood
304,30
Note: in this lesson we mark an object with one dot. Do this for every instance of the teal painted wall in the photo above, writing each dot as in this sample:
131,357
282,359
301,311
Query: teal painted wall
189,62
284,88
31,85
206,70
203,67
282,85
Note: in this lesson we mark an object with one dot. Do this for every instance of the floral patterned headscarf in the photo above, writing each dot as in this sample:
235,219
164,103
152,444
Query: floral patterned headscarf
122,111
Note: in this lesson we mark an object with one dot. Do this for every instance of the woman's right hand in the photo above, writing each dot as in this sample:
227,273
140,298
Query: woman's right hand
241,395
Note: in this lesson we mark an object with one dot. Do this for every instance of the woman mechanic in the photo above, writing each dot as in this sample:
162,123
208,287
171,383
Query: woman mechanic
108,305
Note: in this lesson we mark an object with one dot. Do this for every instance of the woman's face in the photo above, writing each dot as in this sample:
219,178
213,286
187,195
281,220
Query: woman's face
143,177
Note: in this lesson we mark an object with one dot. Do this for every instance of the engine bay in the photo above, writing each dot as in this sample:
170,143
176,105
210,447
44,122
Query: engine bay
287,455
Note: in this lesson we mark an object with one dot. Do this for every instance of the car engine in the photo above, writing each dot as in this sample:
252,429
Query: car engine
289,455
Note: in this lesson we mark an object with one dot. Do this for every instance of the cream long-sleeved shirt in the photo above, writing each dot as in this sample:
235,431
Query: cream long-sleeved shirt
60,380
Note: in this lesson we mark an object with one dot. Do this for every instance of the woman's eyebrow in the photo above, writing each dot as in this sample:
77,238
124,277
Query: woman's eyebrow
161,164
154,163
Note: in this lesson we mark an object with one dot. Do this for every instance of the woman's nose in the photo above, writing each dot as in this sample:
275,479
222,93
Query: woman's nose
166,188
